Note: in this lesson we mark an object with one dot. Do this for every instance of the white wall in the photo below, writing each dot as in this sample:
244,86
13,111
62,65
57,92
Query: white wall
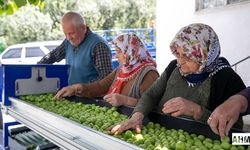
231,23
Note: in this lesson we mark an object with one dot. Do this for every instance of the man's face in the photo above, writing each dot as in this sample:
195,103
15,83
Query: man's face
74,34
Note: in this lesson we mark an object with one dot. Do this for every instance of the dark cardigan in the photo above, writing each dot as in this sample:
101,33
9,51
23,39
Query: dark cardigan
223,85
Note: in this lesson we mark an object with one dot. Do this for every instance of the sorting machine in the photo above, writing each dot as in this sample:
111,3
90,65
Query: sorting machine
35,79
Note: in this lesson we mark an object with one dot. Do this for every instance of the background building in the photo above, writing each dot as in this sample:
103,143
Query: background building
229,18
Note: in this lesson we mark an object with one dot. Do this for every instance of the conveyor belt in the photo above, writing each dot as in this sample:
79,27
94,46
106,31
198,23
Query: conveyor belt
63,132
71,135
165,120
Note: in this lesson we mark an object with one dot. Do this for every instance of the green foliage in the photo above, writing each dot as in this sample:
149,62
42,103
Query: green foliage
8,7
105,14
25,26
56,9
2,45
110,14
33,20
20,3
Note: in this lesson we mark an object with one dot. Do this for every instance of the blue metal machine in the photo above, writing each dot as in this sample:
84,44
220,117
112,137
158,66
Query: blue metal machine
29,79
34,79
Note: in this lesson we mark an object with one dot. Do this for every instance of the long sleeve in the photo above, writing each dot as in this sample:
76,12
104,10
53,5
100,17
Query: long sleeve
148,80
98,88
153,95
55,55
246,93
103,60
223,85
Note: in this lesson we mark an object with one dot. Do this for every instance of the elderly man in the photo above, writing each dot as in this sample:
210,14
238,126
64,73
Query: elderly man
224,116
87,54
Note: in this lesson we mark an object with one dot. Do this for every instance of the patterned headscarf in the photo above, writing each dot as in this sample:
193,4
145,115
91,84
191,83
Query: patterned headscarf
134,51
136,58
201,44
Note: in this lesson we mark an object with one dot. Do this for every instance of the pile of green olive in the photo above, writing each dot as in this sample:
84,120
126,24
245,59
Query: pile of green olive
152,137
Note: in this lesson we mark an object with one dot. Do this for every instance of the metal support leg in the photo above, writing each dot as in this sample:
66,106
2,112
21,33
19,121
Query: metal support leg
6,133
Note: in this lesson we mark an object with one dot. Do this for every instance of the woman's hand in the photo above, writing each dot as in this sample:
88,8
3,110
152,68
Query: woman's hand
115,99
135,122
224,116
180,106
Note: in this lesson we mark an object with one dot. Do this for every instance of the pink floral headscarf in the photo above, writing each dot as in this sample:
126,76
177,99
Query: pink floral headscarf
136,58
134,51
201,44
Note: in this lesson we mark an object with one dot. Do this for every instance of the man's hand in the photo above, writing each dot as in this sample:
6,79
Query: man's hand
224,116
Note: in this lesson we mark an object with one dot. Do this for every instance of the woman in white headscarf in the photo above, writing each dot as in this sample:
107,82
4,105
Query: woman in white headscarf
191,86
125,85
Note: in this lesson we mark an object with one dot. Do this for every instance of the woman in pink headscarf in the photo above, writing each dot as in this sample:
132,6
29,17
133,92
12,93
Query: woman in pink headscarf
125,85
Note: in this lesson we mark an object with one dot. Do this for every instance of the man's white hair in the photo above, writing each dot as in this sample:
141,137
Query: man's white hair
75,18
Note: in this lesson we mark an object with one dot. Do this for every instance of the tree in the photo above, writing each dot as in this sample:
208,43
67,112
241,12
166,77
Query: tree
104,14
44,16
25,26
109,14
10,6
2,44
